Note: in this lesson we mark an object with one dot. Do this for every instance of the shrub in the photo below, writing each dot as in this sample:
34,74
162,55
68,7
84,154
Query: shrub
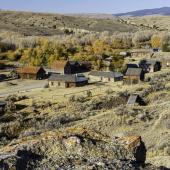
10,106
72,98
89,93
109,91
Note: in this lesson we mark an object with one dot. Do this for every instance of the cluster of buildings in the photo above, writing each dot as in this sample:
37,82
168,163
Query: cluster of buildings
70,73
135,73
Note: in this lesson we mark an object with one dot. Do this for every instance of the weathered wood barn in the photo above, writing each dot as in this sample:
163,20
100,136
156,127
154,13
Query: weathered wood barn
150,65
70,67
134,76
30,72
67,80
103,76
2,107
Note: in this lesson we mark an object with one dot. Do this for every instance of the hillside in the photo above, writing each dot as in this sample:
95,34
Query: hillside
97,132
51,24
155,11
161,23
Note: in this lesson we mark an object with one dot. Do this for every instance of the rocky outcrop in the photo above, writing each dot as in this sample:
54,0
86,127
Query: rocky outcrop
74,148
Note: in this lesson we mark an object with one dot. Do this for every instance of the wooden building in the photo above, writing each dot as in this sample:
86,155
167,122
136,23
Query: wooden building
104,76
134,76
150,66
2,107
30,72
67,80
70,67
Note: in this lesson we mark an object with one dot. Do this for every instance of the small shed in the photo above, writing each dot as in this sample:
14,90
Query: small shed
31,72
134,76
150,66
2,107
135,99
67,80
103,76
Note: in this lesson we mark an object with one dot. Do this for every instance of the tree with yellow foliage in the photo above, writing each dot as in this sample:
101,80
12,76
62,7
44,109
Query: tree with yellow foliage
156,41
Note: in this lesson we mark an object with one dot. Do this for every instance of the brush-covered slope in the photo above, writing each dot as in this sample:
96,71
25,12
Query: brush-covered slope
51,24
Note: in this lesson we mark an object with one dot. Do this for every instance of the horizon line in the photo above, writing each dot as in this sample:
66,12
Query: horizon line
70,13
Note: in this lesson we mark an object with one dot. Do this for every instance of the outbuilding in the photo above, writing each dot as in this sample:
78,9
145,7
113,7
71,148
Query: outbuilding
150,66
134,76
31,72
67,80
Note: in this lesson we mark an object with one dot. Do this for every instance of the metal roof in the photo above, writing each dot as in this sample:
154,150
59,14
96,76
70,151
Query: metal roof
133,71
106,74
149,62
67,78
29,70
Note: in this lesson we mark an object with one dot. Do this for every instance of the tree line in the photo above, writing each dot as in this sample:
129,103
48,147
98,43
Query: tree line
92,47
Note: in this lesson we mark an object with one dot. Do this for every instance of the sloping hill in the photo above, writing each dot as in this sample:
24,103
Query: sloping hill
162,23
155,11
52,24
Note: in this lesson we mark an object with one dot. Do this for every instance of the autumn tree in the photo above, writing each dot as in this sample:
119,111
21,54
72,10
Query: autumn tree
156,41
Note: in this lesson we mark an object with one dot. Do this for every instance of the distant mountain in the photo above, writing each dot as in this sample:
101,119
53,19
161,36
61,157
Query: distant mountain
155,11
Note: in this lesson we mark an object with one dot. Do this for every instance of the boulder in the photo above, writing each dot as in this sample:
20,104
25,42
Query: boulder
133,147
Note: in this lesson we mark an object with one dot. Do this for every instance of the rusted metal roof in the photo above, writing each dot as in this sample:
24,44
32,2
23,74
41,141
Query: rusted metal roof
59,64
28,70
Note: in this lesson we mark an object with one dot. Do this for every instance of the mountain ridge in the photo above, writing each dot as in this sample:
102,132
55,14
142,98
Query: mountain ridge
155,11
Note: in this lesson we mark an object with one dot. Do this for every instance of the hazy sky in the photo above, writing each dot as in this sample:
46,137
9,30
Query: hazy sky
81,6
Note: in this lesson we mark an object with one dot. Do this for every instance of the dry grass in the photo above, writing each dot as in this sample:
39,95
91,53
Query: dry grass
52,24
